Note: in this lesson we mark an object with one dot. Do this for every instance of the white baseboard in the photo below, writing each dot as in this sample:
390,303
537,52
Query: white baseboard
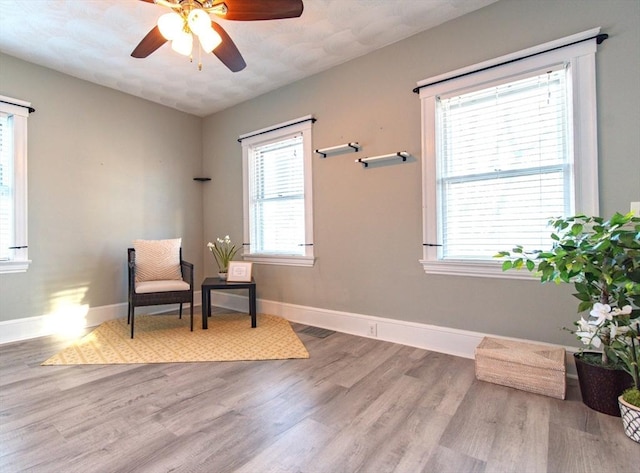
428,337
72,319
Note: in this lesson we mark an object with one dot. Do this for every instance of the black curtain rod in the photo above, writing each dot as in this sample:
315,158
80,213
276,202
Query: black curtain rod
31,109
312,120
599,39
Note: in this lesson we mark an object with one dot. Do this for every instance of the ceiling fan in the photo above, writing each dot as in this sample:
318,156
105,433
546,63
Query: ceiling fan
191,17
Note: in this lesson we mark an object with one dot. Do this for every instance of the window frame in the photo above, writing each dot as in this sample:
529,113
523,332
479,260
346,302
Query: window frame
282,131
19,110
580,59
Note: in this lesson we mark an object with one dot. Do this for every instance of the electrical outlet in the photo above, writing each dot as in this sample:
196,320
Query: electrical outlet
373,329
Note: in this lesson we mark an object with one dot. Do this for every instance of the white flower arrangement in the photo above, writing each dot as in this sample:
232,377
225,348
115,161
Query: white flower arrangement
223,251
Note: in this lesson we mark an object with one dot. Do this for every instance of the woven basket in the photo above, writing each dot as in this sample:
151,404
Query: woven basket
539,369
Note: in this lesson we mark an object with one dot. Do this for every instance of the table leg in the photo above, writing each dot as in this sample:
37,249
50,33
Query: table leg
252,305
205,308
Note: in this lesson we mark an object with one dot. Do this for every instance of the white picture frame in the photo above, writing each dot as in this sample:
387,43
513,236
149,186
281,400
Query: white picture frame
239,271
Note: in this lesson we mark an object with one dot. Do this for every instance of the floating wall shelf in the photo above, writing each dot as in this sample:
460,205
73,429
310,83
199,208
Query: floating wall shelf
348,147
385,157
202,179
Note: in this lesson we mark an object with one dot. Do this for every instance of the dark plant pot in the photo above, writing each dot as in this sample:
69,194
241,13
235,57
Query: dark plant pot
600,386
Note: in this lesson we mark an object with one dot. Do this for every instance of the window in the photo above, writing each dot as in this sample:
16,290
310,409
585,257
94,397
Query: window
13,185
504,150
278,218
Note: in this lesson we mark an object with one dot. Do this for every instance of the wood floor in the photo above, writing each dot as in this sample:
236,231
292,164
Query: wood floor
357,405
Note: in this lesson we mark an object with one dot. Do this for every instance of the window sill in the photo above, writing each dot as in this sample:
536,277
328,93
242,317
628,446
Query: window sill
484,269
283,260
7,267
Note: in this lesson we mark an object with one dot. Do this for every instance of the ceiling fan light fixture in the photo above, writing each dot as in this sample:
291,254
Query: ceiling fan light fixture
183,43
209,39
198,21
170,25
192,17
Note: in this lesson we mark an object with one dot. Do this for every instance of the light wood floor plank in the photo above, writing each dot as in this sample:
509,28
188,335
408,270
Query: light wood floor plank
522,441
474,426
445,460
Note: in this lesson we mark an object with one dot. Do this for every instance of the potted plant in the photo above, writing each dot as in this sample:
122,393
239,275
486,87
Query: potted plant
601,258
626,345
223,251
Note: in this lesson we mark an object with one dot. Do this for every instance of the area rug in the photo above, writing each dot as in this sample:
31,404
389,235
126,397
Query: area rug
167,339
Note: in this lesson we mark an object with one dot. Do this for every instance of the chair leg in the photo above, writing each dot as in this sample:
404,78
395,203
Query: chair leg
191,307
181,310
129,313
132,318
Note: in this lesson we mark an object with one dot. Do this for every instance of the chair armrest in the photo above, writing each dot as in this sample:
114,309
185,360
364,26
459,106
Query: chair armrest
187,272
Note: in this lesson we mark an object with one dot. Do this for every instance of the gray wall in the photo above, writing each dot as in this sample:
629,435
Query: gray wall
368,222
104,168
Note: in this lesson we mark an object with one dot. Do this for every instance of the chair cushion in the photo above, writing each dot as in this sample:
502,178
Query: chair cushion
157,260
146,287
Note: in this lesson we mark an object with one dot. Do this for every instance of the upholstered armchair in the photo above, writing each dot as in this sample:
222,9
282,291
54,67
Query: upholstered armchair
158,275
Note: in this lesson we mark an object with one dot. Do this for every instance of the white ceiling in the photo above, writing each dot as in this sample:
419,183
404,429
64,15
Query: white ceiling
93,40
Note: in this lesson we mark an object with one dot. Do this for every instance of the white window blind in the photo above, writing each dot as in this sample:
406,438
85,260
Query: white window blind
504,165
14,255
278,194
277,197
507,144
7,227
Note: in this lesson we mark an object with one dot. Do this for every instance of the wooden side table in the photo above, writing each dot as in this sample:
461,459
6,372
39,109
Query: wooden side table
210,284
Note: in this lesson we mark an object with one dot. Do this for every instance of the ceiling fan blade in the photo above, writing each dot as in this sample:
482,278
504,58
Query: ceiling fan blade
227,51
250,10
149,43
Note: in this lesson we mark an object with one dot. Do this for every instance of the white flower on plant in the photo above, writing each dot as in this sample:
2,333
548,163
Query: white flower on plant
588,333
602,313
582,324
615,331
626,310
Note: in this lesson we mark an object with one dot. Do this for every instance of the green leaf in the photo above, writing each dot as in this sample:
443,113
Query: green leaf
547,273
530,265
585,305
629,240
576,229
582,296
619,219
507,265
581,288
